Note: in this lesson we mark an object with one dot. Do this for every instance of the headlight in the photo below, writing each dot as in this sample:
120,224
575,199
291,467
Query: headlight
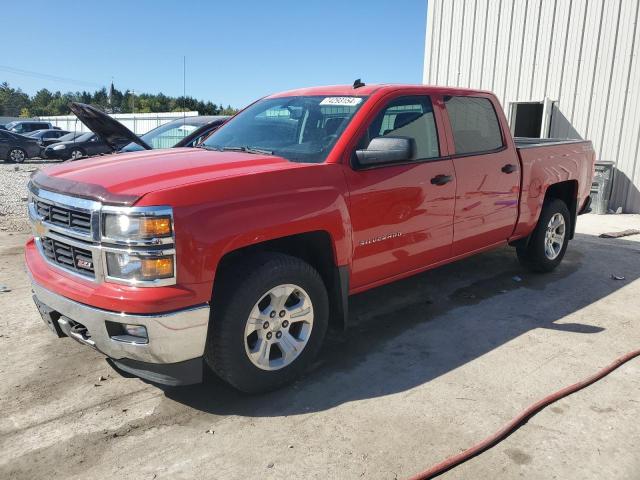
134,267
131,228
58,147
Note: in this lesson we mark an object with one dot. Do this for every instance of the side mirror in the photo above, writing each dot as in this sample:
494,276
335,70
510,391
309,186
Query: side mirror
386,150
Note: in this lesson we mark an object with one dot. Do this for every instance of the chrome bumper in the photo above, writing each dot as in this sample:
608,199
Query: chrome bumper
173,337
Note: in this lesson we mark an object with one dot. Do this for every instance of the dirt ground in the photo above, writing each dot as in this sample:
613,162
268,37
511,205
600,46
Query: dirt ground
430,365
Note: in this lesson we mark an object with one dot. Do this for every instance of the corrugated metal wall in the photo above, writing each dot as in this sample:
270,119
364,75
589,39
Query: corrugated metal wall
138,123
581,54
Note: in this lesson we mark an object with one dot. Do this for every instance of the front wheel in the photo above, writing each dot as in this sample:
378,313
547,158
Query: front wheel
549,240
268,323
17,155
76,154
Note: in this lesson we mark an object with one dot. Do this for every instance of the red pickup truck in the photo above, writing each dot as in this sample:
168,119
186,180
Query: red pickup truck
238,255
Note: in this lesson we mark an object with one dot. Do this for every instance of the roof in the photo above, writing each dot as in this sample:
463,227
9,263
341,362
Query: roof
348,90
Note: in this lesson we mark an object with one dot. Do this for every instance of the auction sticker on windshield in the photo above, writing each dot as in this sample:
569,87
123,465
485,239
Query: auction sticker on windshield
344,101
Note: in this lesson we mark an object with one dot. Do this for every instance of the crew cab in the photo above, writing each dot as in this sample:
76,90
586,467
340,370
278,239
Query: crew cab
238,255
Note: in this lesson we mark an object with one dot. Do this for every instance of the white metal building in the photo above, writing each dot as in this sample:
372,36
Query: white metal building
138,123
561,68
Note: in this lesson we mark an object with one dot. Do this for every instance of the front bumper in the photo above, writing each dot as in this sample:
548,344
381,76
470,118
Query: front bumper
176,340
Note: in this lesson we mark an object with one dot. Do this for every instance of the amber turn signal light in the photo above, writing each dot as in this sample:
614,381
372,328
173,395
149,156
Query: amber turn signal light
161,267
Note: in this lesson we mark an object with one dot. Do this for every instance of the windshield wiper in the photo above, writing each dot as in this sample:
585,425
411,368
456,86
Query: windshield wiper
246,149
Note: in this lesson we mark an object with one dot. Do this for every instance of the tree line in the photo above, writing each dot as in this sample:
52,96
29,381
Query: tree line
15,103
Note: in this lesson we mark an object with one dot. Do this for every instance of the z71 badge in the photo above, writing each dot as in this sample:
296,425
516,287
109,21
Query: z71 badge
81,263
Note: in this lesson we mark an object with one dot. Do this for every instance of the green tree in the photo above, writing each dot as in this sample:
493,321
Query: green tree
41,103
12,101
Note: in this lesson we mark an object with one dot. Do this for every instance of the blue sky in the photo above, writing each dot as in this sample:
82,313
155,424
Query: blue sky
235,51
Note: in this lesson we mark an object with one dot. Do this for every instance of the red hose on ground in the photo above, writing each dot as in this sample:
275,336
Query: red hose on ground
515,423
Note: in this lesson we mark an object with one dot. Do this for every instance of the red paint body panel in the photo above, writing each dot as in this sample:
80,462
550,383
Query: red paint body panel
542,167
224,201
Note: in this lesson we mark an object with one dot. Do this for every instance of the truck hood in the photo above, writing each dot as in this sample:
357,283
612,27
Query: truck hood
111,131
124,179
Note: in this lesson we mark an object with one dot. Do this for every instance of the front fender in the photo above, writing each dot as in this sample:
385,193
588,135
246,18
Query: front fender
215,218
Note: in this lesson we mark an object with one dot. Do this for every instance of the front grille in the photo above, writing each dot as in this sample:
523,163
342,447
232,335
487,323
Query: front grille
69,257
64,217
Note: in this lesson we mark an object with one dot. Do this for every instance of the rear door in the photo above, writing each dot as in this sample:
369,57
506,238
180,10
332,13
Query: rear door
487,174
402,219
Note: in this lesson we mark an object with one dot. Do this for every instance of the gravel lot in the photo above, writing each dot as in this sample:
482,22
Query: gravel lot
13,193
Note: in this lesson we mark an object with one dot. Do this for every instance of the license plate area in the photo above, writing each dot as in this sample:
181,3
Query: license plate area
49,317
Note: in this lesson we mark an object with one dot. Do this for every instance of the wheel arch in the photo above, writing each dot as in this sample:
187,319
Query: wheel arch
317,248
566,191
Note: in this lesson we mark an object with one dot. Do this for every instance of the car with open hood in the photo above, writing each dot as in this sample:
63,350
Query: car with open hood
182,132
86,144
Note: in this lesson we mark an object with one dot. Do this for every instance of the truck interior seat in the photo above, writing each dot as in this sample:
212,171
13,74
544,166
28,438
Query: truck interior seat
333,124
402,120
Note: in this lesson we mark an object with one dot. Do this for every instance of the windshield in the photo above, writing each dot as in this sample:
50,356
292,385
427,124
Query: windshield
300,129
68,137
85,137
167,135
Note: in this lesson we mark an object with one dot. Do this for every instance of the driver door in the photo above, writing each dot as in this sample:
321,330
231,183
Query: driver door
402,213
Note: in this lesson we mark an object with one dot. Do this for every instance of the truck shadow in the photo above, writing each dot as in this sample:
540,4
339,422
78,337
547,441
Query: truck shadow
405,334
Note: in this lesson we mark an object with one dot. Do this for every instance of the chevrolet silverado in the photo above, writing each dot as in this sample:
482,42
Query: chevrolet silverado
238,255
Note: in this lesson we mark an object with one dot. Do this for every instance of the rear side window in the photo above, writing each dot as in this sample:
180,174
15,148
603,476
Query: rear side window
407,117
474,124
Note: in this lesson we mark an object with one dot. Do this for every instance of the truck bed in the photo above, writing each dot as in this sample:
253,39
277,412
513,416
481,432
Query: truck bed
531,142
549,161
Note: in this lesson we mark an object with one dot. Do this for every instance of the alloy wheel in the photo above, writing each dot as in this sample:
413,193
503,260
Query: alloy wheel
17,155
279,327
554,236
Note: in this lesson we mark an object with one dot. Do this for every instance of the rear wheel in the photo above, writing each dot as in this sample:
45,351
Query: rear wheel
549,240
268,324
17,155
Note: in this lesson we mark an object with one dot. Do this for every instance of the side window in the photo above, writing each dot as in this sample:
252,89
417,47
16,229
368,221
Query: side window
407,117
474,124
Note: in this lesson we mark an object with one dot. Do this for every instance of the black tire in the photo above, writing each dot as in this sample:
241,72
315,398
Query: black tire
16,155
532,255
237,294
